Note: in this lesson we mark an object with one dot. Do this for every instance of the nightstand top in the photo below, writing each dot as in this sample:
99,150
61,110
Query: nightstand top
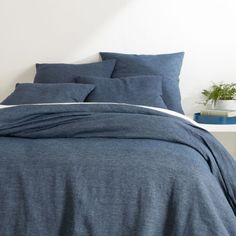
217,128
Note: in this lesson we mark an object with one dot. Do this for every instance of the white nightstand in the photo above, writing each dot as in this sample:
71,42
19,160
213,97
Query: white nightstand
226,134
219,128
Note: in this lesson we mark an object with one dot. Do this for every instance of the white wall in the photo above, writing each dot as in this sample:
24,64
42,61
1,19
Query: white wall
75,30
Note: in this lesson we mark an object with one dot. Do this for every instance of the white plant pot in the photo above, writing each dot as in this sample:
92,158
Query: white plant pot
225,105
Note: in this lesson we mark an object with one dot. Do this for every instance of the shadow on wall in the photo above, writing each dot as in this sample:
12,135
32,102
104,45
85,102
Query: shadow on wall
48,31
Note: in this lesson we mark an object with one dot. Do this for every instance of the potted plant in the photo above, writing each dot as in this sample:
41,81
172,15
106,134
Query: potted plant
222,96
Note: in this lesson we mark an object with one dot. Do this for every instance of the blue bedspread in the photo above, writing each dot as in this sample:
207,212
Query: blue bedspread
111,169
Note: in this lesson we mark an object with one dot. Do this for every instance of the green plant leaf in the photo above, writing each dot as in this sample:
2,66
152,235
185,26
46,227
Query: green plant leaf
221,91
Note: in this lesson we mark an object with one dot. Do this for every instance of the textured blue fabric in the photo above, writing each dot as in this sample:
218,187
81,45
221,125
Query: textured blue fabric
108,169
65,73
167,65
140,90
48,93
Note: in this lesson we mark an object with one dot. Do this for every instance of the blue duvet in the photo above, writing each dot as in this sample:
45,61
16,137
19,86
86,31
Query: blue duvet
111,169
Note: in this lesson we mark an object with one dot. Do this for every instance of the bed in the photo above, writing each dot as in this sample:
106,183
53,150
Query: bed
109,168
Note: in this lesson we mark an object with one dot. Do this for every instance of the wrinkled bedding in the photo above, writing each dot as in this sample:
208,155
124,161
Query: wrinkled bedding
111,169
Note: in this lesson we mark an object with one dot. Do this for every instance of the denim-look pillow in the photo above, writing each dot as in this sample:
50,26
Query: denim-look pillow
167,65
139,90
64,73
48,93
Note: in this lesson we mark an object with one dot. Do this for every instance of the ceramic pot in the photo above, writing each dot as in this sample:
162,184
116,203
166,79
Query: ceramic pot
225,105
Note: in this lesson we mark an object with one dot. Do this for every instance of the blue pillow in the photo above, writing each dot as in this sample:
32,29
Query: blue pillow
48,93
139,90
65,73
167,65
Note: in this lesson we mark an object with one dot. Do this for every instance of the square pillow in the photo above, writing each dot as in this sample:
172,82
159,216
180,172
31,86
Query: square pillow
139,90
65,73
48,93
167,65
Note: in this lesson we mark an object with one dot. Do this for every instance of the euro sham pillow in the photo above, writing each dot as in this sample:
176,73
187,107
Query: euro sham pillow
65,73
167,65
27,93
139,90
